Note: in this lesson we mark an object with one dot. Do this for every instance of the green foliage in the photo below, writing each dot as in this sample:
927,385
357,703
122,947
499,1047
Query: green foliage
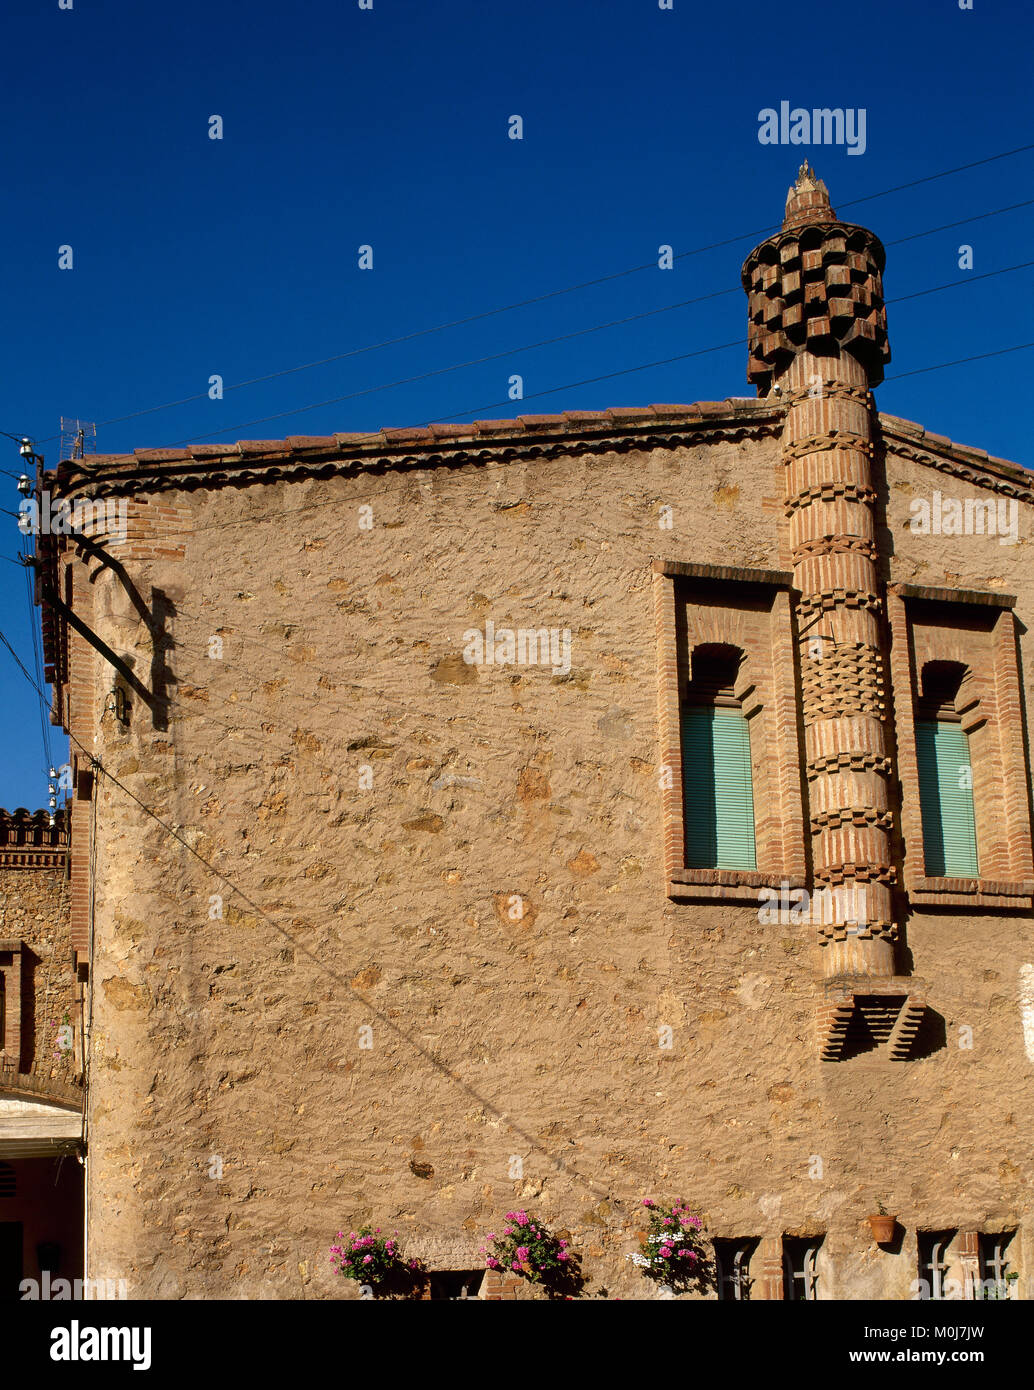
672,1252
529,1249
370,1258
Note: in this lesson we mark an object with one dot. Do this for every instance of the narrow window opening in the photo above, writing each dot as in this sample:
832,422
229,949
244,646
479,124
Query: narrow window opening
996,1277
800,1277
945,776
732,1267
453,1284
716,766
933,1260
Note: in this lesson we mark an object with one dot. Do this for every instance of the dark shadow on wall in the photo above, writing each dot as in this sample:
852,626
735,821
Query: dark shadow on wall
30,961
155,692
931,1036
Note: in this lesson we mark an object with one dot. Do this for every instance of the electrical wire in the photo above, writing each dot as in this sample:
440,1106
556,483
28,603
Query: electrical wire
370,1009
959,361
546,342
37,661
498,405
571,289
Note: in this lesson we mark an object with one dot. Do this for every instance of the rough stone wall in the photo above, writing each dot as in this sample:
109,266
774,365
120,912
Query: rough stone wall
34,908
469,863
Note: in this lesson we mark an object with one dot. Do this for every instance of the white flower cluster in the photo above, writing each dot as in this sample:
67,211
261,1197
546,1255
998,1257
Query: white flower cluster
667,1238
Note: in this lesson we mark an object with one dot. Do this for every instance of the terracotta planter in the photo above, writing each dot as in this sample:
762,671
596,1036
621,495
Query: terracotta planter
883,1228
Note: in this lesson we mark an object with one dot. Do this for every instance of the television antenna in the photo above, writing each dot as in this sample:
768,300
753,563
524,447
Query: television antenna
78,437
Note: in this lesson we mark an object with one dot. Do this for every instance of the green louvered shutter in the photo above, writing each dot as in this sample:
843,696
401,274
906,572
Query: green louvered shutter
946,799
719,796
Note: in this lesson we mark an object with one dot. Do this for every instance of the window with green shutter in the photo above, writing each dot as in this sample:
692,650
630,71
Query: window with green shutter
946,799
717,788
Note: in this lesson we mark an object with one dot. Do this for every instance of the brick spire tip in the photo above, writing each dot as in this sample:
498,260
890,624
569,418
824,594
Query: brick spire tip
808,200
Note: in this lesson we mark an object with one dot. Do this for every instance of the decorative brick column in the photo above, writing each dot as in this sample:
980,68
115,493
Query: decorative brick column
818,340
499,1285
769,1259
967,1247
11,971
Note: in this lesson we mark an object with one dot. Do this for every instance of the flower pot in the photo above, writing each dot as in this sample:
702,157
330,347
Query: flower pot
883,1228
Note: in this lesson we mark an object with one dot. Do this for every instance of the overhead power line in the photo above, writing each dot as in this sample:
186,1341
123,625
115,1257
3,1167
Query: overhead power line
300,945
958,361
582,285
553,390
607,376
546,342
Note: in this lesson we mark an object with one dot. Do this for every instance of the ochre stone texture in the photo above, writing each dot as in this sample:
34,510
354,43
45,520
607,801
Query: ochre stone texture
34,911
468,862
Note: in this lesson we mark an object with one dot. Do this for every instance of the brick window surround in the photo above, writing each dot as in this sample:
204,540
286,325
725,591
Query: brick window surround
733,1268
708,605
11,1003
968,1263
788,1268
977,631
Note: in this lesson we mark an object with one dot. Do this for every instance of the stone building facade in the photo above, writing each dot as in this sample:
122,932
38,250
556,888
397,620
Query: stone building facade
41,1058
379,865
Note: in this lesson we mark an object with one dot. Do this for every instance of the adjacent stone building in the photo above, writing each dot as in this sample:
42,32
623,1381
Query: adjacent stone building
562,812
41,1060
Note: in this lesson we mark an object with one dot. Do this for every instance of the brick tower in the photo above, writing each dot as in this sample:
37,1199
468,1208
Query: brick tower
818,341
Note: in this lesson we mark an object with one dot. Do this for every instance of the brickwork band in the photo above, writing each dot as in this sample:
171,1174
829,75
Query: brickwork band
818,339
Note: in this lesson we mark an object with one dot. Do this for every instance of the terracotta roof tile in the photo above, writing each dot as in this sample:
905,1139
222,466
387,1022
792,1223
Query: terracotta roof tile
443,431
537,422
899,423
1011,465
578,417
249,447
631,412
307,441
447,431
410,434
971,451
494,426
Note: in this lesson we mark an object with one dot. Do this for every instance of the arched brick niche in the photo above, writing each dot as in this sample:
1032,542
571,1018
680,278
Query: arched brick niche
731,629
954,655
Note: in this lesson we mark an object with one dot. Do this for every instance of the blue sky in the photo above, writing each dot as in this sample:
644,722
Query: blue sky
389,127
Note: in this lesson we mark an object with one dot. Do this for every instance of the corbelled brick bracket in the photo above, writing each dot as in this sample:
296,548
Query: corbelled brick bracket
883,1021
